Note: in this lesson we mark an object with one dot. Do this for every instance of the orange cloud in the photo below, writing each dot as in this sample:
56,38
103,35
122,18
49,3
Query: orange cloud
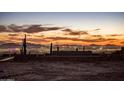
63,36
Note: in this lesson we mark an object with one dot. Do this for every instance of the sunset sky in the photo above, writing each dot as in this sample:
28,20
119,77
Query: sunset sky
63,28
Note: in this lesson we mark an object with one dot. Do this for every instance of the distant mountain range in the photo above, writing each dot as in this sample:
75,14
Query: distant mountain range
16,45
108,46
30,45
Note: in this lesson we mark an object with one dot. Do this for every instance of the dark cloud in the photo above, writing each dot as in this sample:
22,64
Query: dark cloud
95,36
3,29
27,28
72,32
114,35
34,29
15,28
97,29
53,28
67,30
39,28
78,33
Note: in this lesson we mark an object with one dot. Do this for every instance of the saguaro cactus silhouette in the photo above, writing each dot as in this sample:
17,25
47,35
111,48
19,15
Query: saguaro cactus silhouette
24,46
51,46
58,48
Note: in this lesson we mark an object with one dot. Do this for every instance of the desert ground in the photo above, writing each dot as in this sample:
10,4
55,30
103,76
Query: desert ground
61,71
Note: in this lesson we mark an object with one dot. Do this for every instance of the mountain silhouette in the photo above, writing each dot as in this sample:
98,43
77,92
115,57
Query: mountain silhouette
17,45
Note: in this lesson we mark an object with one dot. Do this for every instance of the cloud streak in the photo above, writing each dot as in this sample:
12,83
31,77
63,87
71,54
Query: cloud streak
62,35
82,40
97,29
3,29
72,32
13,34
27,29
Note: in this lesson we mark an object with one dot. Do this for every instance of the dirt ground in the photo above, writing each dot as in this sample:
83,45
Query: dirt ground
61,71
